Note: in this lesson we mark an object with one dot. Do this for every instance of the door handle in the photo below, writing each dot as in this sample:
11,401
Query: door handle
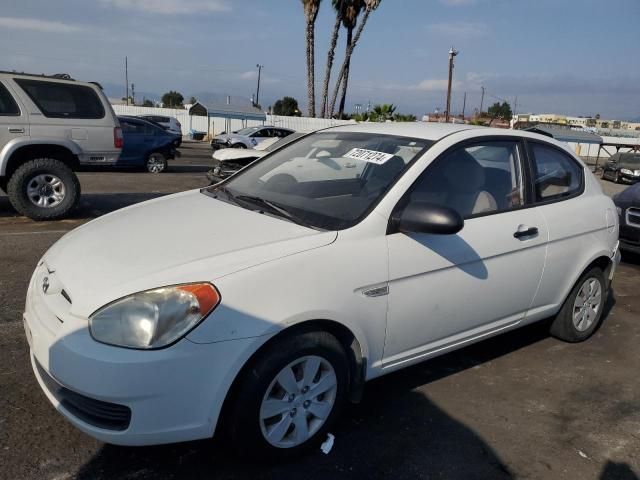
16,130
524,231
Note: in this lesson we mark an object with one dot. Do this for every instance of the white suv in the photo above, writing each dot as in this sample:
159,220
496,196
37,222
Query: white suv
49,125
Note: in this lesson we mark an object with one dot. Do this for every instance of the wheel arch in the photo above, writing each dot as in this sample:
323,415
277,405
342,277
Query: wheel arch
602,261
13,155
352,346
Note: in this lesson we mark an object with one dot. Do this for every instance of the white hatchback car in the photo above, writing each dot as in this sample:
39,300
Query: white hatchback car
266,301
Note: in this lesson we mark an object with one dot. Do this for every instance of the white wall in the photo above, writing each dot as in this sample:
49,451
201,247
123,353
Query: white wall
220,124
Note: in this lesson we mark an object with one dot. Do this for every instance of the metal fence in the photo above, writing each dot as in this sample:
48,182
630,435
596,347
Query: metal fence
216,125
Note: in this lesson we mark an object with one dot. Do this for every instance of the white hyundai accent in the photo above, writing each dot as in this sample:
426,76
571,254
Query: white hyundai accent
258,306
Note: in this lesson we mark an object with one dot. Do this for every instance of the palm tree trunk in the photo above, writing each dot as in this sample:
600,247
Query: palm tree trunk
311,94
345,63
327,76
345,79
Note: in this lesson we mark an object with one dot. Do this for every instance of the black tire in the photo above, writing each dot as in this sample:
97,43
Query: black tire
238,145
563,326
618,177
244,427
156,162
19,182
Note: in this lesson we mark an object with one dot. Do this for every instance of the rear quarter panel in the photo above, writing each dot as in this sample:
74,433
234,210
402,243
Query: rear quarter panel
581,229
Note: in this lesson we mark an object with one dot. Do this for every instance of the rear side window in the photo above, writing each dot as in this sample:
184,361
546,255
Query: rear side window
556,174
8,106
63,100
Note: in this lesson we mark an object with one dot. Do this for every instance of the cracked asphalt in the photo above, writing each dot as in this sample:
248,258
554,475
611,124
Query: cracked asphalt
521,405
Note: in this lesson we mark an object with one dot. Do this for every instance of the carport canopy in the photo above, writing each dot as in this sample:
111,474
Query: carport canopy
567,134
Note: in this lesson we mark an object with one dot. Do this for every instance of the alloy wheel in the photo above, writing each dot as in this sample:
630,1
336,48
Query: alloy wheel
46,190
155,163
298,401
587,304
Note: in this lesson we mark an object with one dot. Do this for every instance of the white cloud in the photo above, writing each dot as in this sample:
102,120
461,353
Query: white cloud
433,85
253,76
36,25
458,3
459,29
170,7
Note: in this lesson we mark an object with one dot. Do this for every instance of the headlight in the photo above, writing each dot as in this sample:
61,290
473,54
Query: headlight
626,171
254,142
619,210
636,173
154,318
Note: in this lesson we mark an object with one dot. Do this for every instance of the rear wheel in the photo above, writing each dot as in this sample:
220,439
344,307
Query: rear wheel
582,310
290,396
156,163
44,189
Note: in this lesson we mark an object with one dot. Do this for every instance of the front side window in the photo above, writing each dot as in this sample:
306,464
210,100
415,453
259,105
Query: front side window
473,180
8,106
556,175
247,131
328,180
63,100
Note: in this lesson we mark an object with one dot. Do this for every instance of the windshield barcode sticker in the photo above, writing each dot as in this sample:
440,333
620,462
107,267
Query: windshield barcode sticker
370,156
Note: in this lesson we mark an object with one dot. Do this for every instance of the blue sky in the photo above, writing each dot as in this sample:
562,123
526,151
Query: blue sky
578,57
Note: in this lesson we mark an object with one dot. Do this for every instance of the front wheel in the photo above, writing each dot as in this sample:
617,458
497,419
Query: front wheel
44,189
156,163
582,310
290,396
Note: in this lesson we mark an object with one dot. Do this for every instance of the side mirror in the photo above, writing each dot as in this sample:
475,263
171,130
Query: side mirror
422,217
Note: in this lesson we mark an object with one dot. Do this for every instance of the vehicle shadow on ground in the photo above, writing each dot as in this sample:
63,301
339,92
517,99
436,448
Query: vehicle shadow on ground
396,432
91,205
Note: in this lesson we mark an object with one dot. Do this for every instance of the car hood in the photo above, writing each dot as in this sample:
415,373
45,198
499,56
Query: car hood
225,137
227,154
629,197
186,237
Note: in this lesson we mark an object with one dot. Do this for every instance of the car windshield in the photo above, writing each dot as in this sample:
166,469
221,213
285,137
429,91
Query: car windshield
247,131
328,180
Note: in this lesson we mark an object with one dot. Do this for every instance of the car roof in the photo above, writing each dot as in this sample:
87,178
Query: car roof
133,119
425,130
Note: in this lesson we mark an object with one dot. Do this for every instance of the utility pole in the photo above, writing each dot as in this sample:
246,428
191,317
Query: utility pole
464,104
515,106
260,67
133,94
126,77
452,54
481,99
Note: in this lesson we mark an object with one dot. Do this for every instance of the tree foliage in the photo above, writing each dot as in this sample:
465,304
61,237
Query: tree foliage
147,103
172,99
383,113
501,111
286,106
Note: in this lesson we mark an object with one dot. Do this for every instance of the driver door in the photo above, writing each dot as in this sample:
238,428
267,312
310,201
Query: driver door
447,290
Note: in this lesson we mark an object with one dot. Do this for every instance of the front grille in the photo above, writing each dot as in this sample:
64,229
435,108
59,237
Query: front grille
633,217
109,416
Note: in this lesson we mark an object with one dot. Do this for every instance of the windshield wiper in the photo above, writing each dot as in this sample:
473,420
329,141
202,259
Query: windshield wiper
273,207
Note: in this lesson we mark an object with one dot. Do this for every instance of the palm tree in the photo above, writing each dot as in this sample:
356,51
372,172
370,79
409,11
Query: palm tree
339,6
311,8
349,20
382,113
369,6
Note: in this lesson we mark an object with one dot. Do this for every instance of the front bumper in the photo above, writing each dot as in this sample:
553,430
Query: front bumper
124,396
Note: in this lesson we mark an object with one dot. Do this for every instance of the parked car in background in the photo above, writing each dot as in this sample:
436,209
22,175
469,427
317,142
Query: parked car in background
257,307
622,167
171,124
248,137
146,144
49,126
628,205
228,161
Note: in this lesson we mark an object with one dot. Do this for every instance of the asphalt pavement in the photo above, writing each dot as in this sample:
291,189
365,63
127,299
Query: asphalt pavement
521,405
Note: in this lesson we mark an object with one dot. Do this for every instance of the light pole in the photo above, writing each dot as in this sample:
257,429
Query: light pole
481,99
259,67
452,54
